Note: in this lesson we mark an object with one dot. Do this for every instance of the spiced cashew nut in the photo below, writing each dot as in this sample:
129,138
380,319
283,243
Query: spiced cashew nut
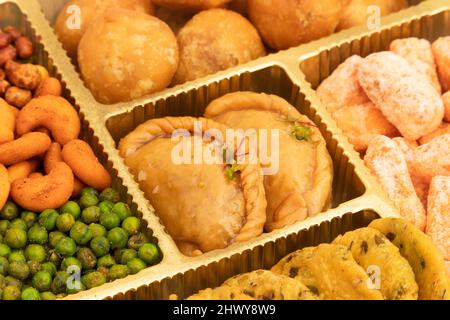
52,157
85,165
52,112
4,185
28,146
46,192
7,122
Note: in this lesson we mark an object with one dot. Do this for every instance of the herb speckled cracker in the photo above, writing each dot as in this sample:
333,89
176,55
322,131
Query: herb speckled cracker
330,271
221,293
421,253
266,285
370,247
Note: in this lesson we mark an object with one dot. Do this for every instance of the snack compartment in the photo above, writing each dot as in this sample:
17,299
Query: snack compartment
12,14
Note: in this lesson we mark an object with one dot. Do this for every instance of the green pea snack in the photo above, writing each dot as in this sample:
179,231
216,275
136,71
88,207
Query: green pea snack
94,236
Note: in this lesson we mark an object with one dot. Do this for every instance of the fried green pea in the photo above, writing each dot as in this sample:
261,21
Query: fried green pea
97,230
59,283
105,206
47,296
136,241
109,220
118,271
29,217
35,252
65,222
110,194
91,214
55,237
11,293
48,218
66,247
122,210
9,211
30,294
87,258
4,266
4,225
16,238
131,225
19,270
5,250
42,281
127,255
81,233
71,207
17,256
135,265
93,279
106,261
19,223
100,246
88,200
149,253
38,235
49,267
70,261
117,238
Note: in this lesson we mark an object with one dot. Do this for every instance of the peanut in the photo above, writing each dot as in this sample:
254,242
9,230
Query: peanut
43,72
13,32
17,97
5,39
4,86
50,86
6,54
25,76
24,47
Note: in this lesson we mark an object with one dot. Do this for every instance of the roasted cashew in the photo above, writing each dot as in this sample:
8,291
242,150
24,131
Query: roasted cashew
85,165
28,146
54,113
22,169
46,192
4,185
7,122
52,157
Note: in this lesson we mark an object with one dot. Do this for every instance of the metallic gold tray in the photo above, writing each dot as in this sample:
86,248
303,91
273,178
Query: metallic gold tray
291,74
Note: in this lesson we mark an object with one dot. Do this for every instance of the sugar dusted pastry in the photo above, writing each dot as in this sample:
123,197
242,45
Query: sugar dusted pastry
446,99
288,23
420,56
360,123
203,206
405,98
443,129
121,60
432,159
420,185
69,33
342,87
387,163
438,218
190,5
356,12
407,146
441,51
301,185
215,40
